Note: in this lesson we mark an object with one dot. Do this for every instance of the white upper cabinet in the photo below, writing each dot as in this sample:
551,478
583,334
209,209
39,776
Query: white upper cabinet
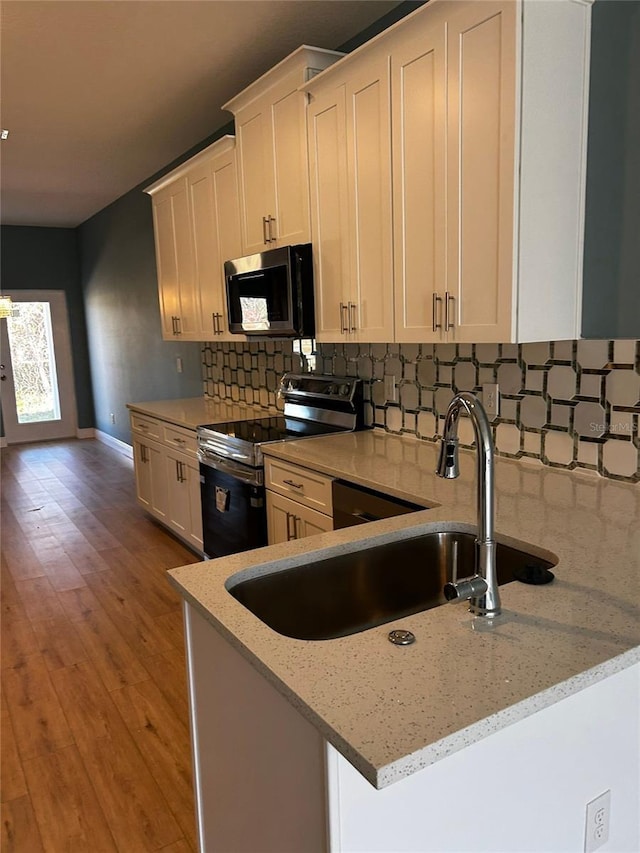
486,174
350,169
197,228
271,129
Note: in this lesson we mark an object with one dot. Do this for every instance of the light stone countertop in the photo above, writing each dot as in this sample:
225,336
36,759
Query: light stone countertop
394,710
192,412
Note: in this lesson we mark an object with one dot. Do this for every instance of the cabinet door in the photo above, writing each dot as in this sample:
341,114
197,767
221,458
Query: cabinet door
418,97
288,127
151,477
208,268
142,471
481,79
174,259
255,162
213,199
226,216
329,211
183,505
368,122
287,520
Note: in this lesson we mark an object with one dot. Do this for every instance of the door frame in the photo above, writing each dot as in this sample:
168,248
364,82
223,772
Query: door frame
67,426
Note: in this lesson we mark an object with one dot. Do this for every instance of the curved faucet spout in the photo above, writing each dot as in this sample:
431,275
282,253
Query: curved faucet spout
483,602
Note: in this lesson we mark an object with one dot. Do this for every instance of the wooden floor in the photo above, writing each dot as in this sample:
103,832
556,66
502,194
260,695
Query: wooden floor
95,740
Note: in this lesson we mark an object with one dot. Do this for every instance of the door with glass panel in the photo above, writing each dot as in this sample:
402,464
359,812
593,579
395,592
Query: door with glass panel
36,370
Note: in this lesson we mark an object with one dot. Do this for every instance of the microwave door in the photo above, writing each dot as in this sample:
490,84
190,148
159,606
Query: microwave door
259,302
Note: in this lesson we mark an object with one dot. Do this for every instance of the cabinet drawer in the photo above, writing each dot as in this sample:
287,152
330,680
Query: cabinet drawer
149,427
303,485
180,439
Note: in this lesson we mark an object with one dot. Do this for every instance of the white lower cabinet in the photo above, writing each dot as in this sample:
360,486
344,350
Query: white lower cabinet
266,780
298,502
168,479
287,520
151,477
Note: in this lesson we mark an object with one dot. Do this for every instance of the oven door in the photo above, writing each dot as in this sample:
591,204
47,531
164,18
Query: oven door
234,516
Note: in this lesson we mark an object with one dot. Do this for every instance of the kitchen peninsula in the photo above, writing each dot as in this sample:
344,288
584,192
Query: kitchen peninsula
537,715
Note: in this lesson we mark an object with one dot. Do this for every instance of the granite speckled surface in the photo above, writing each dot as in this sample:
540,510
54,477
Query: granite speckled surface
191,412
394,710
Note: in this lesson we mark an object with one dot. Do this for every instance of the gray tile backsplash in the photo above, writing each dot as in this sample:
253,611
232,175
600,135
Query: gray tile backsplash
572,404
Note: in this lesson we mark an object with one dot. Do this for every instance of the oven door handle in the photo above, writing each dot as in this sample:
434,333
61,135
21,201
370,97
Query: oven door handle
252,476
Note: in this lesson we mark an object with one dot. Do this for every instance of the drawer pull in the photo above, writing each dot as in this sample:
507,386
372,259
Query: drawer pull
179,440
293,485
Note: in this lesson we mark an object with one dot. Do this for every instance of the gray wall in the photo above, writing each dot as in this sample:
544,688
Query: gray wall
612,228
47,259
129,360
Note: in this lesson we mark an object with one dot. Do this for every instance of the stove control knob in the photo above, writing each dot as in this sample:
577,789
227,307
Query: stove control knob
293,385
344,390
332,389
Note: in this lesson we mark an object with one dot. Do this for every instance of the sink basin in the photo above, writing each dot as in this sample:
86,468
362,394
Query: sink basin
349,593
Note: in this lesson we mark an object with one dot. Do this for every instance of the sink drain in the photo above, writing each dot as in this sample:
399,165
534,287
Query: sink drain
401,638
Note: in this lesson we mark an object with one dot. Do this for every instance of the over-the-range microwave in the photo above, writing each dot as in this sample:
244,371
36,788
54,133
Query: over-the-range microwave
271,293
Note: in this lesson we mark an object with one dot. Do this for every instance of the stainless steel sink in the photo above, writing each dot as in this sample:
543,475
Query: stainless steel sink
352,592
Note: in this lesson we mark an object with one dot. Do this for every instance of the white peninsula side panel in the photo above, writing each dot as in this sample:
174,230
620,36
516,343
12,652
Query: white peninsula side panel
523,788
259,766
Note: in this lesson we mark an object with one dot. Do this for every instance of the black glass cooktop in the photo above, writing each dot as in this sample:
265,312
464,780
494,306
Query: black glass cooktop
276,428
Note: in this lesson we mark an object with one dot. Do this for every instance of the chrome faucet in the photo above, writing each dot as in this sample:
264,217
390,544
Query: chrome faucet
481,589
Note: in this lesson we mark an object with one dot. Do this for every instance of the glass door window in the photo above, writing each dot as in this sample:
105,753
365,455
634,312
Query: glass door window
37,389
33,363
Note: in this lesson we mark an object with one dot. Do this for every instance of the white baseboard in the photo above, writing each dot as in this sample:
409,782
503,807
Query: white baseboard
121,446
88,432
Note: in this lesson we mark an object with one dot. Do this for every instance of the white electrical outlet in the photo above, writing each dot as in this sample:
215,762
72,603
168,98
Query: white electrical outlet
178,364
112,418
596,832
390,390
491,399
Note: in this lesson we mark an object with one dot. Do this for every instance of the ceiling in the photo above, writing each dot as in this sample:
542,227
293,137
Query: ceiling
99,95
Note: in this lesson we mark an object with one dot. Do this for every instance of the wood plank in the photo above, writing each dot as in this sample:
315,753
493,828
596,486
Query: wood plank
39,724
39,599
133,803
172,624
169,671
62,573
66,808
112,657
11,604
58,642
78,603
138,628
145,583
181,846
163,739
19,828
13,784
18,641
22,560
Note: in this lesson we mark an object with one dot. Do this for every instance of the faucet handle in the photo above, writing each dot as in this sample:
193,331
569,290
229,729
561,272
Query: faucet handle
448,460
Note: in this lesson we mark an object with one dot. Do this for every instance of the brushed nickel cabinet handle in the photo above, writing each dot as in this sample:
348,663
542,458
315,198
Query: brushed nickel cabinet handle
294,485
290,535
437,312
272,234
448,322
352,316
265,229
178,325
344,325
